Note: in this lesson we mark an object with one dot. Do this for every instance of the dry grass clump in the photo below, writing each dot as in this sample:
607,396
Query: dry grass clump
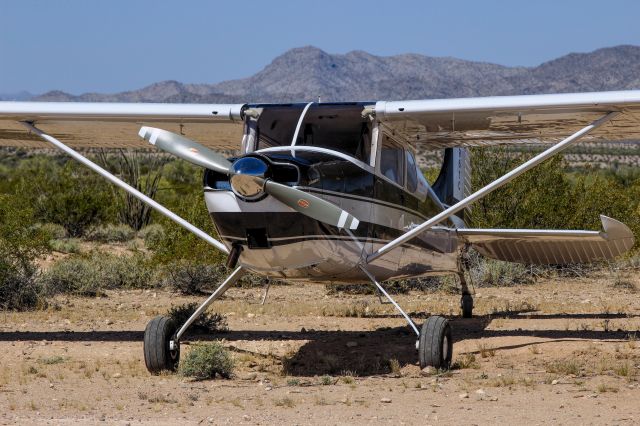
206,361
565,367
65,245
92,274
111,233
152,234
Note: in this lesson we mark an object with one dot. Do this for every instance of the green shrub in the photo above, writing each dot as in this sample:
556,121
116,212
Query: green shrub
490,272
19,289
143,171
90,275
187,278
111,233
79,276
206,322
69,194
56,231
20,245
65,245
152,234
178,244
206,360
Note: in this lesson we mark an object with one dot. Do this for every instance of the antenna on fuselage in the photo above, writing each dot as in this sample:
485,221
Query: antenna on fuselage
319,100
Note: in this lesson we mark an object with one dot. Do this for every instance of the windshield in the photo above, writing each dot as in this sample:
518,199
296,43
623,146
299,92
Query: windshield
336,127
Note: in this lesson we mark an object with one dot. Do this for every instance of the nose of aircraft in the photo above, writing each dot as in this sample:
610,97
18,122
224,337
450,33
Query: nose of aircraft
248,175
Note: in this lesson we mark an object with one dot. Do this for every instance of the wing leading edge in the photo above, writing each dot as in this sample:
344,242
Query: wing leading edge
545,247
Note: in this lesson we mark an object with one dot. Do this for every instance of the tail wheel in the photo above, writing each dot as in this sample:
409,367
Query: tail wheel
435,346
158,355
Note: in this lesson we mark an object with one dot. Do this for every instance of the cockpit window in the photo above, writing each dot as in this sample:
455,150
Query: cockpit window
392,161
336,127
412,172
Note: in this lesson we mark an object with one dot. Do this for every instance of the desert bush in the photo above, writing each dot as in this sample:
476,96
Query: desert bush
206,360
485,272
65,245
54,230
20,245
193,278
79,276
90,275
140,169
20,290
61,192
152,234
111,233
206,322
178,244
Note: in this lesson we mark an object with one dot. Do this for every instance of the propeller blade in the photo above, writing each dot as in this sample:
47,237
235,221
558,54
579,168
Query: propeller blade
310,205
186,149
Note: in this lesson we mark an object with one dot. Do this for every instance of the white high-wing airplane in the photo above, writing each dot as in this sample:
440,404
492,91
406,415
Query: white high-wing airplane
332,191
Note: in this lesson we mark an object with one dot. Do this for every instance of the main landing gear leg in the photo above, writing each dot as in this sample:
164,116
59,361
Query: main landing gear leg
162,337
434,344
466,300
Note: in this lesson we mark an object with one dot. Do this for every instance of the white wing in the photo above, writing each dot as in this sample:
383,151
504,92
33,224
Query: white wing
509,119
116,125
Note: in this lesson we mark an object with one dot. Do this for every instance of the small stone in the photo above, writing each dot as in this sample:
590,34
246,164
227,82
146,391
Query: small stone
251,315
108,322
352,344
464,395
51,385
303,330
493,398
428,371
385,400
554,382
268,388
481,394
246,417
117,376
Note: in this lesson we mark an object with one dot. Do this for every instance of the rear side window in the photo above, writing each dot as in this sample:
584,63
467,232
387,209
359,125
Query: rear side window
412,172
392,161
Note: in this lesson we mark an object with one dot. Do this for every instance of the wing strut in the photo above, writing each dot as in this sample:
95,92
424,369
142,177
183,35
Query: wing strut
139,195
491,187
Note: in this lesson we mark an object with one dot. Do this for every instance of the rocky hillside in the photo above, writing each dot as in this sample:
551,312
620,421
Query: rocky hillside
306,73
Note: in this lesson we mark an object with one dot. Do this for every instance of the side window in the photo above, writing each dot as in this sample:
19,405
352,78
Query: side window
412,172
392,161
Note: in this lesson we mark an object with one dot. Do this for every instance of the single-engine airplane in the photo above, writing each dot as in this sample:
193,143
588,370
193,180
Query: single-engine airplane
332,192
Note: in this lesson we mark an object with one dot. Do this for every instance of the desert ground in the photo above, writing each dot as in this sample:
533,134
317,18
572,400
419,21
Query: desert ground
560,351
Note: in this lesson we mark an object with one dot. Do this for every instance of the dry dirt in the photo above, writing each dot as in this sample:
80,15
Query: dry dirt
562,351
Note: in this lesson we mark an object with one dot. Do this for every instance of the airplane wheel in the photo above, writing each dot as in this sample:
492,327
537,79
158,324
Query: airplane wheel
435,345
158,356
466,303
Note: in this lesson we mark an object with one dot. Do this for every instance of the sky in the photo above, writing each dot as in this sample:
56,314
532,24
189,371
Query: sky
108,46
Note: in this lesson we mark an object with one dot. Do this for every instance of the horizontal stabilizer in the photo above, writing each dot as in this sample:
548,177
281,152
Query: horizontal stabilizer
551,247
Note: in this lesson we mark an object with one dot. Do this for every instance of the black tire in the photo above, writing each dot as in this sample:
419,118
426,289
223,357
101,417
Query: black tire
435,346
466,303
157,354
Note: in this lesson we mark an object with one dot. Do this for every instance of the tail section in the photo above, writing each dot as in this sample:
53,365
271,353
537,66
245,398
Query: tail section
454,181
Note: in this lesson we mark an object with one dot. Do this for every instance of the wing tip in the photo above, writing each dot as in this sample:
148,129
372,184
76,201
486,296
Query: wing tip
615,230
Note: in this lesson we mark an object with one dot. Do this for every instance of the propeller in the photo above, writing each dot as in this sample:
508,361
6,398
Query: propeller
186,149
249,177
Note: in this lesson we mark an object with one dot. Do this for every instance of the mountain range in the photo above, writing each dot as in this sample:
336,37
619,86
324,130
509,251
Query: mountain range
309,73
